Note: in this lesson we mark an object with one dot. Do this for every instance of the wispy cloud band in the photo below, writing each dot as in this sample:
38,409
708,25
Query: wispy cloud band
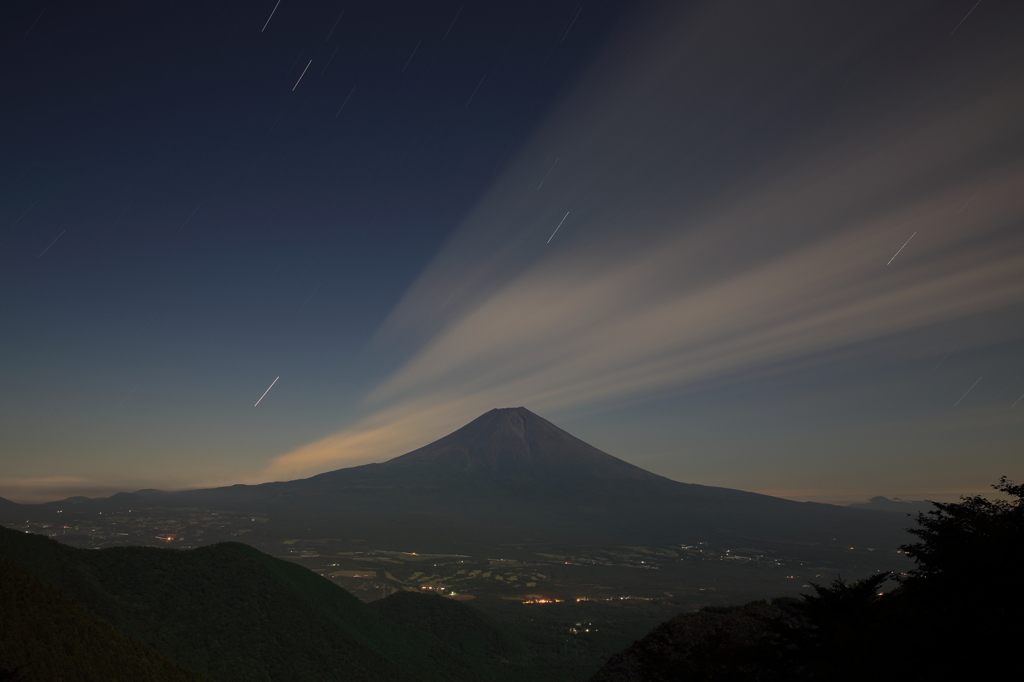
696,249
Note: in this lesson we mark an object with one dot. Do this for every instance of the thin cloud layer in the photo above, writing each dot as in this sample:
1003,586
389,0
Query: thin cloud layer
733,206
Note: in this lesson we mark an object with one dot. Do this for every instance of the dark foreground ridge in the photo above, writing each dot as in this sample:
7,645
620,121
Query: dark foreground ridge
47,636
232,613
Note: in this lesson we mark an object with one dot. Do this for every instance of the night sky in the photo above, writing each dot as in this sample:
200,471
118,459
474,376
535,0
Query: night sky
769,246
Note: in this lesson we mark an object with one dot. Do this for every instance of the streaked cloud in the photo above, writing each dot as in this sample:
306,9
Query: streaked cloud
736,194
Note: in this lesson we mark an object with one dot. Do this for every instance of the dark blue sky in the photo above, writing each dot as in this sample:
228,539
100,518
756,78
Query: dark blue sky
191,206
210,215
189,178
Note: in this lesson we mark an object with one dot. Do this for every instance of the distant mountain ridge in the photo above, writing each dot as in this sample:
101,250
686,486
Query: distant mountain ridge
512,476
880,503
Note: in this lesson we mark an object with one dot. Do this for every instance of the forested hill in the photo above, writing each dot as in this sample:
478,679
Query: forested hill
235,614
46,636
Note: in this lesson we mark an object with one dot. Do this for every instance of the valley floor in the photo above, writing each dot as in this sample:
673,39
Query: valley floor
591,601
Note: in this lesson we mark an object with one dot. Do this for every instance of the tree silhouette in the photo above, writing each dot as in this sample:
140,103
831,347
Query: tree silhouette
969,544
848,634
965,596
960,605
842,604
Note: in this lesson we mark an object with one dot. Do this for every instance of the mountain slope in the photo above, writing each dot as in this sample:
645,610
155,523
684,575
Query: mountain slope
514,446
510,476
